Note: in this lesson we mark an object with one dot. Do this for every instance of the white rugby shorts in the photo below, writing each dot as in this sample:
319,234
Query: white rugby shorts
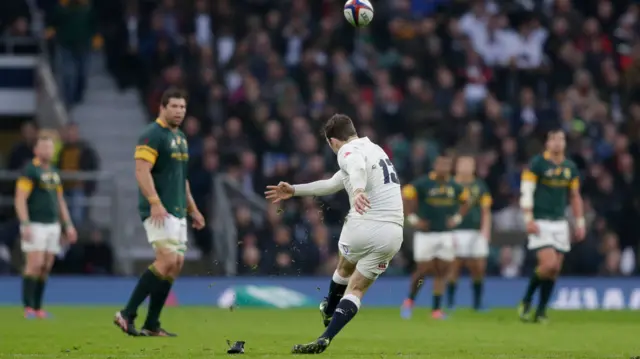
554,234
370,244
45,237
171,235
470,243
433,245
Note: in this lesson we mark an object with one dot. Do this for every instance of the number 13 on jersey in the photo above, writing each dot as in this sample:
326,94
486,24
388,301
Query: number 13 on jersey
388,171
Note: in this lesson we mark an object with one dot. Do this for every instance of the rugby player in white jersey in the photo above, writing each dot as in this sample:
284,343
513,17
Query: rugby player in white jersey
372,232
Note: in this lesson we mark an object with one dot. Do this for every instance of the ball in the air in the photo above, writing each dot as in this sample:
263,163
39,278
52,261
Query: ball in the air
358,13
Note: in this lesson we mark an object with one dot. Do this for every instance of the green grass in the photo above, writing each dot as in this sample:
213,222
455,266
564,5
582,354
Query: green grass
87,332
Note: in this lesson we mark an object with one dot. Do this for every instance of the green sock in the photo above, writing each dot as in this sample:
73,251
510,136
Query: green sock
451,294
147,283
437,298
28,291
546,289
39,293
477,293
156,303
534,282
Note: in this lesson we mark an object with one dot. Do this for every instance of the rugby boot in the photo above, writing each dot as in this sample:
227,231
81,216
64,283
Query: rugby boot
326,318
524,311
156,332
125,323
316,347
406,311
438,315
29,313
42,314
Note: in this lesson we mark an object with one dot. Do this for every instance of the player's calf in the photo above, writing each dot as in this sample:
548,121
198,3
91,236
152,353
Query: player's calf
417,279
337,288
477,268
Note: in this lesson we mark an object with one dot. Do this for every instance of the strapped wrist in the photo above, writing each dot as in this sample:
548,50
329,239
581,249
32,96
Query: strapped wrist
154,200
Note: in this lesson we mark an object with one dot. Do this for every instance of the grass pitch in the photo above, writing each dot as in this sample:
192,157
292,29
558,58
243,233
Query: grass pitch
87,332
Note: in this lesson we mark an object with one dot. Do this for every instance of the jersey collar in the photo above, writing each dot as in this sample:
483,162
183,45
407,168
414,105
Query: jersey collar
547,156
159,122
433,176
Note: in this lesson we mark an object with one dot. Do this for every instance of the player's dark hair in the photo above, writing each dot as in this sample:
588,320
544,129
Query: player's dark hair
340,127
172,93
553,131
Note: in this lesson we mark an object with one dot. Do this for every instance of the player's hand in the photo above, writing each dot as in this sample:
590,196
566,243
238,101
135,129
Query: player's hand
198,219
360,202
422,225
532,228
25,232
279,193
71,234
580,233
158,214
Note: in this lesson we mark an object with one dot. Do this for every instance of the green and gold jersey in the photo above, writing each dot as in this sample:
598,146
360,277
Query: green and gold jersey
553,182
437,200
43,186
479,198
167,151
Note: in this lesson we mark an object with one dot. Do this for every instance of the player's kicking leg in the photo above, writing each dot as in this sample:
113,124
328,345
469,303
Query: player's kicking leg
549,264
366,254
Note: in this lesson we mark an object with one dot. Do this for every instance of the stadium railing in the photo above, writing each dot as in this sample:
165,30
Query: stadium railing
228,197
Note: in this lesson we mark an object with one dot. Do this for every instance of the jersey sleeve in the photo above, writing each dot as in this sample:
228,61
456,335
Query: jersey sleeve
413,190
574,182
485,196
148,147
462,193
26,180
533,171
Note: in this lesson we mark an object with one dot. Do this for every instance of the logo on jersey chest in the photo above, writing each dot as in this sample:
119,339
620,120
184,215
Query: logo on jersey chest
179,150
49,180
558,172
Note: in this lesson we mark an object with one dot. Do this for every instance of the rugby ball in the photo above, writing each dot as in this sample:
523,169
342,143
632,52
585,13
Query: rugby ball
358,13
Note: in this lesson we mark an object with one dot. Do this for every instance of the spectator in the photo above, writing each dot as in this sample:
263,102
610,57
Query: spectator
77,155
74,25
22,152
481,77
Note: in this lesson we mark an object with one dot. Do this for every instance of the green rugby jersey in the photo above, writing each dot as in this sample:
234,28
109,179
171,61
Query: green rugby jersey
43,186
437,200
553,182
168,152
479,198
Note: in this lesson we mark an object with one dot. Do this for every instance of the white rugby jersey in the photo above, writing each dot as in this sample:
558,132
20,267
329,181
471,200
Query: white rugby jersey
361,157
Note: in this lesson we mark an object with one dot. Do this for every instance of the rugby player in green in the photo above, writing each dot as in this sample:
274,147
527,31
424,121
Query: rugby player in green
472,235
550,181
436,205
164,202
40,206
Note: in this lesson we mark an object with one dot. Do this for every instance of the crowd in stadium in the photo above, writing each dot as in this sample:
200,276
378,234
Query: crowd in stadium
480,77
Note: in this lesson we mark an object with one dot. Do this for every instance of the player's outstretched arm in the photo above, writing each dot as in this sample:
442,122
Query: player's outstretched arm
528,182
320,188
485,221
577,208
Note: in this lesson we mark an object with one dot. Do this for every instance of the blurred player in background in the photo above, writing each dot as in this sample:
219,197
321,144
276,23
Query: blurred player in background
472,235
165,201
550,180
373,229
40,206
436,205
